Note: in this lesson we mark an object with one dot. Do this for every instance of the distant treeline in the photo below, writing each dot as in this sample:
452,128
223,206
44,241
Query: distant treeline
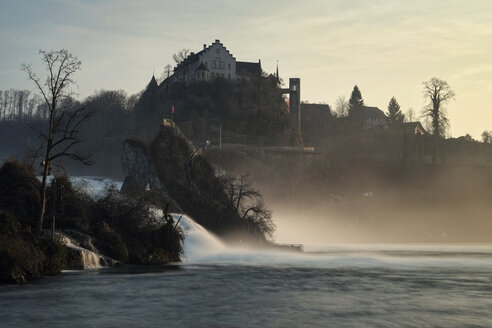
21,105
24,116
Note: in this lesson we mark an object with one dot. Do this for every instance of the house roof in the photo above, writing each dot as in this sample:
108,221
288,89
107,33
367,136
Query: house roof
248,68
190,59
373,112
316,107
414,126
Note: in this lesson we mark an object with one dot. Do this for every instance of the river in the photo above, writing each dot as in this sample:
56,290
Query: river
216,286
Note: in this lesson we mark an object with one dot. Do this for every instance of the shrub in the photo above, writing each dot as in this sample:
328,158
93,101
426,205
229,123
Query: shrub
19,192
21,259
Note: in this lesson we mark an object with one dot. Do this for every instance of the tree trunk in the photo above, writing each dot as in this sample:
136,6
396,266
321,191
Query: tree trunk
46,168
42,191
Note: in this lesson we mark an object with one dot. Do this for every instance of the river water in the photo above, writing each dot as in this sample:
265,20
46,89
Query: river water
216,286
341,287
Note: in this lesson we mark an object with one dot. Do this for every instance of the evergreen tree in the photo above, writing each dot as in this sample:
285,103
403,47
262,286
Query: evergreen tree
394,113
356,103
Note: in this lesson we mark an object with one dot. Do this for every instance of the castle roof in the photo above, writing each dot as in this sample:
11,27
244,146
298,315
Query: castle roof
248,68
193,57
190,59
202,67
152,85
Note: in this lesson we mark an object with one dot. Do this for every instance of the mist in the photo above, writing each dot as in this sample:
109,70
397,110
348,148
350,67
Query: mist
453,207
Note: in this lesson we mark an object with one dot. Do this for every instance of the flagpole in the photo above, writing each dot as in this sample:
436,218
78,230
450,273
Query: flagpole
172,116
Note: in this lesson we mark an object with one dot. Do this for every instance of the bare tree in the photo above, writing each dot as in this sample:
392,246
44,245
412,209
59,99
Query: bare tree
247,202
181,55
438,93
167,71
409,115
64,121
487,136
342,107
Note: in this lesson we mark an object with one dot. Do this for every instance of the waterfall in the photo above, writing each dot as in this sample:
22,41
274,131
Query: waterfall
198,242
90,259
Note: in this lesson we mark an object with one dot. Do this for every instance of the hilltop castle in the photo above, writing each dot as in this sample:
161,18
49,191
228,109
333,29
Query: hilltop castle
215,61
212,62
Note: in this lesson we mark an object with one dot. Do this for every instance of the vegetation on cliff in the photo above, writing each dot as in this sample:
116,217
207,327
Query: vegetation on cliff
250,111
123,228
190,180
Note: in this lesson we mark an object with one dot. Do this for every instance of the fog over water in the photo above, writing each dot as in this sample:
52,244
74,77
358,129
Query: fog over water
219,286
336,285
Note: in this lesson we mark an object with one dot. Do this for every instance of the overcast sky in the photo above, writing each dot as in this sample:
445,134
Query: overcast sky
388,48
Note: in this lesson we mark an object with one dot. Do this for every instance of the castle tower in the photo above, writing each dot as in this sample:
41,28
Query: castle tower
295,100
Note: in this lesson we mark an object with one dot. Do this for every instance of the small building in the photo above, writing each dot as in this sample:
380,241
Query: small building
247,70
315,120
414,128
374,118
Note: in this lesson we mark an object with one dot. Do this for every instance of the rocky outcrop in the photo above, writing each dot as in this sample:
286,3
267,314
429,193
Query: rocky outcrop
139,171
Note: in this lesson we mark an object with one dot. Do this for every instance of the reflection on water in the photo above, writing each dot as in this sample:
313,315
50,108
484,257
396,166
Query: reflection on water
425,287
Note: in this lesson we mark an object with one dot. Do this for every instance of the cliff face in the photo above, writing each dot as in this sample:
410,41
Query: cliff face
172,169
138,169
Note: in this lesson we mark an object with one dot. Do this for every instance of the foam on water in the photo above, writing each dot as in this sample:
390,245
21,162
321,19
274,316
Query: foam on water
199,243
202,247
95,186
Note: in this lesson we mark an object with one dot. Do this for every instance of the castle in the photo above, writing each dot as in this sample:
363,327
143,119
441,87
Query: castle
215,61
212,62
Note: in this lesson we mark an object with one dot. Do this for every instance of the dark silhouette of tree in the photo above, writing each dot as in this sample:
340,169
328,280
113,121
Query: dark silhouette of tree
409,115
181,55
438,93
247,202
342,107
168,69
487,136
394,113
65,122
356,103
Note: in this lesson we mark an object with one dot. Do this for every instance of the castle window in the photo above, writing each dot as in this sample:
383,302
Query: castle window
229,67
217,51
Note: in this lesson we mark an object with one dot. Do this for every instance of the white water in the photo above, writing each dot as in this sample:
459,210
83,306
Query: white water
199,244
202,247
90,259
95,186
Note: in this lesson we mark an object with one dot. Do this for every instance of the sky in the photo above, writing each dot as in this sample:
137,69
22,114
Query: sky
387,48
